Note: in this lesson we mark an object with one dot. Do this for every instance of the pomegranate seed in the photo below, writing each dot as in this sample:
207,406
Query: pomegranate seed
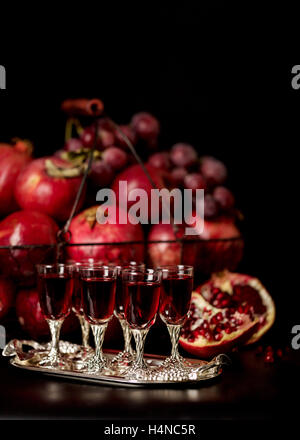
208,336
269,349
219,316
205,324
279,353
225,302
237,290
240,309
218,336
269,358
191,338
246,308
214,320
228,330
202,332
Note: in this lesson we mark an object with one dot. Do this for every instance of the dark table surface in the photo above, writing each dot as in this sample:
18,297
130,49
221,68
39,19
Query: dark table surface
249,389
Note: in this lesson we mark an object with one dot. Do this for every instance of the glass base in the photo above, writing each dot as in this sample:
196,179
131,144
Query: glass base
95,364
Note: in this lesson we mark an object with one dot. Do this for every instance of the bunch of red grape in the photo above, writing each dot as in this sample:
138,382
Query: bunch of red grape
114,154
183,168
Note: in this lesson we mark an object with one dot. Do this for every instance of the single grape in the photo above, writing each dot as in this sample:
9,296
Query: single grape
213,170
145,126
160,160
106,138
178,174
115,157
211,208
194,181
73,144
183,155
88,137
224,197
129,132
101,174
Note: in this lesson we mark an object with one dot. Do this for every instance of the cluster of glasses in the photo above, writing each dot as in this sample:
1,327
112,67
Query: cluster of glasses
131,292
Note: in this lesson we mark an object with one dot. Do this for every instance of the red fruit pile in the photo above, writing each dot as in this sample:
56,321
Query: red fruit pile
113,153
182,167
228,310
37,194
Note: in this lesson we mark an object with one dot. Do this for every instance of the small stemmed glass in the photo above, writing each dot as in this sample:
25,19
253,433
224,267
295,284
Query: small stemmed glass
55,288
175,300
98,285
77,305
141,291
125,357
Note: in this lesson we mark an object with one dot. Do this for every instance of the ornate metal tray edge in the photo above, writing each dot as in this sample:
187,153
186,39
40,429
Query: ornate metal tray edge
14,349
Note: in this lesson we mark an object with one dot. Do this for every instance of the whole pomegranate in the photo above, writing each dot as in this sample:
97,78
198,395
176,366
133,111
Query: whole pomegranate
25,228
219,246
85,229
49,185
30,315
13,159
163,254
7,294
227,310
137,179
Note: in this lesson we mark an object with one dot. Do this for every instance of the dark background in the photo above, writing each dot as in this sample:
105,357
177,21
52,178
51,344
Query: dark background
216,75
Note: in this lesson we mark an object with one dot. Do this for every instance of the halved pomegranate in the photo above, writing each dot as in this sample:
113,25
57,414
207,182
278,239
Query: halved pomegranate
226,311
244,293
210,331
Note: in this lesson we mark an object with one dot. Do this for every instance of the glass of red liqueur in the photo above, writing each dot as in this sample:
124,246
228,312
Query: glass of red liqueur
126,356
98,284
77,305
55,288
141,292
175,300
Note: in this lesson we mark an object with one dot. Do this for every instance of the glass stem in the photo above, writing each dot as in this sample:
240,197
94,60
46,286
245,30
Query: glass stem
55,327
174,331
127,336
139,337
85,331
99,332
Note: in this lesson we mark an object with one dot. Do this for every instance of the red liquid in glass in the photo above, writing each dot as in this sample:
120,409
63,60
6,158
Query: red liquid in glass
120,298
141,303
98,296
77,296
55,293
175,298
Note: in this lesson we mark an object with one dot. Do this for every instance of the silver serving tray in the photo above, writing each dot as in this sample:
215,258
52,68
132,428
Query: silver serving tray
22,358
